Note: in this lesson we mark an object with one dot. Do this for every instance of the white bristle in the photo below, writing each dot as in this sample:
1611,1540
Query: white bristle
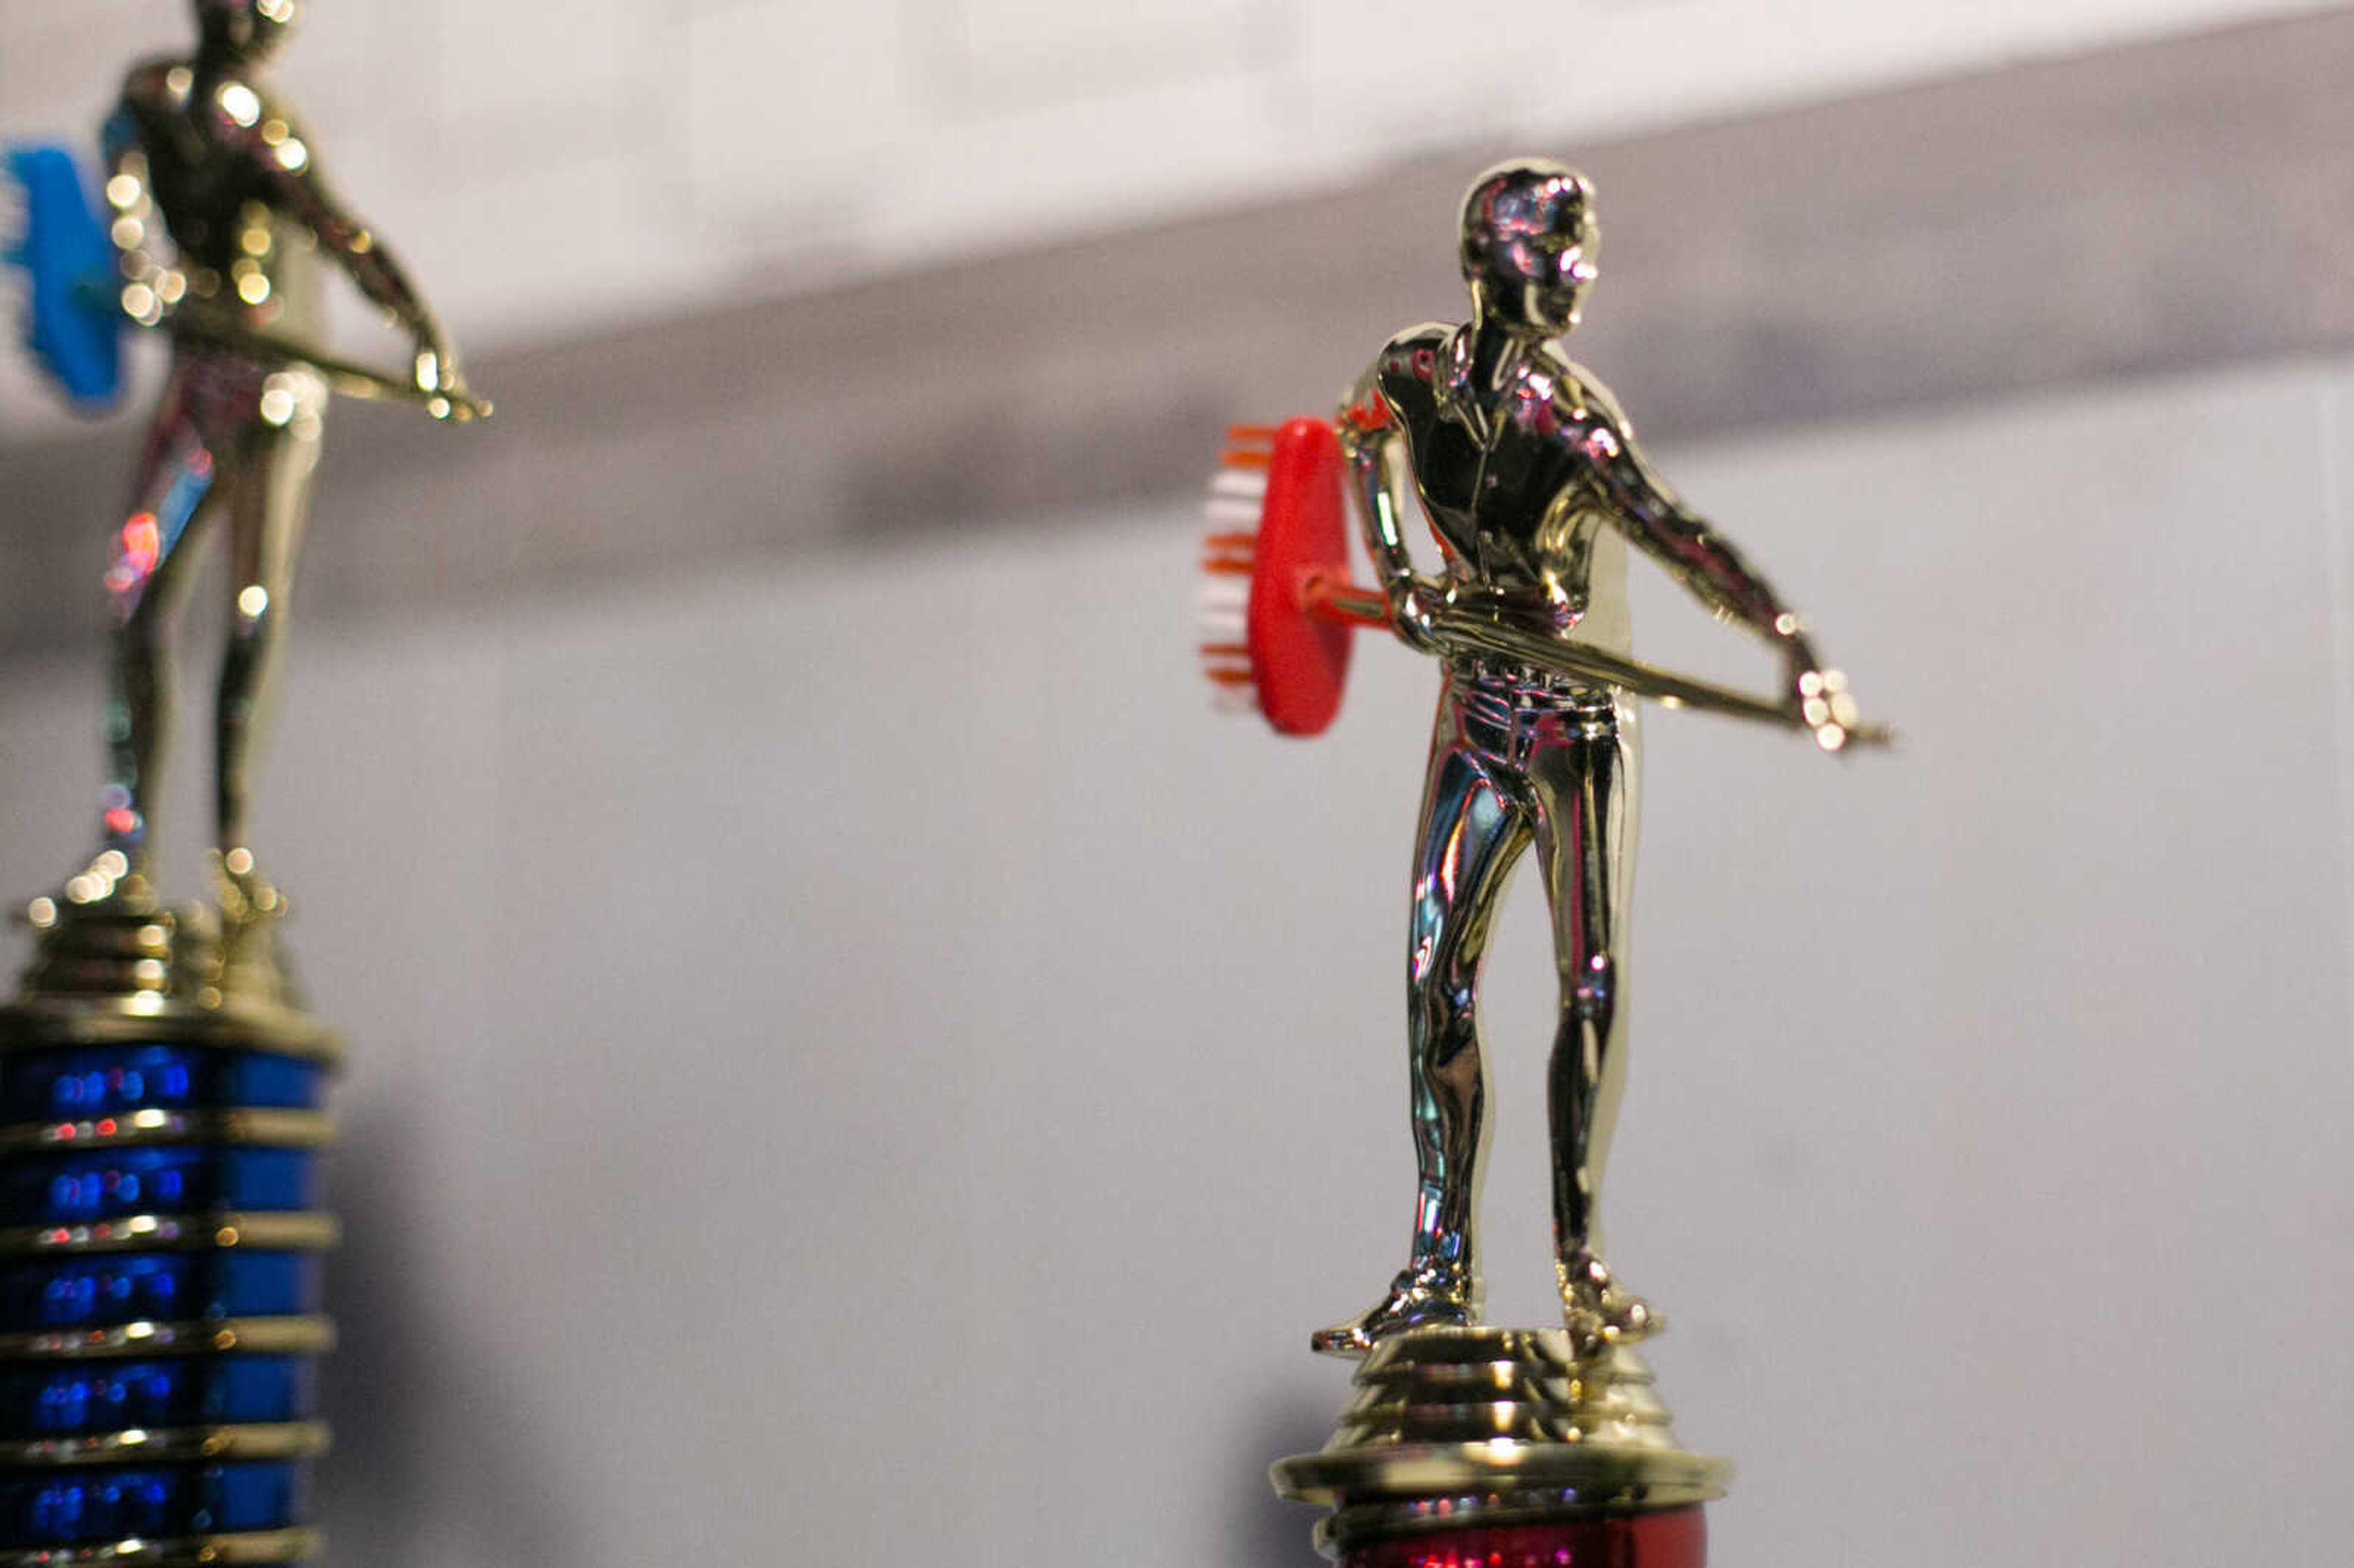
1223,593
1222,610
16,215
1235,508
13,215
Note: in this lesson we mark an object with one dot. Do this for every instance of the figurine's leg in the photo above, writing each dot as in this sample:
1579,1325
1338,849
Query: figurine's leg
1471,831
145,580
1582,770
277,454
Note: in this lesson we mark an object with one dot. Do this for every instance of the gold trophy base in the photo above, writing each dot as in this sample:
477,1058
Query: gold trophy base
129,967
1453,1428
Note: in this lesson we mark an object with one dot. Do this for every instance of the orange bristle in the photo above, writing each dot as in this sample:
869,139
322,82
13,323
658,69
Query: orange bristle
1229,557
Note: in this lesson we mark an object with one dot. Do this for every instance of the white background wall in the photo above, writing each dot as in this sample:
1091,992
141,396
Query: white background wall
854,1055
550,166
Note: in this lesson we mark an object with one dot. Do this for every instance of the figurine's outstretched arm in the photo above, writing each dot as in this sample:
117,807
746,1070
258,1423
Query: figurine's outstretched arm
1657,521
302,195
1371,441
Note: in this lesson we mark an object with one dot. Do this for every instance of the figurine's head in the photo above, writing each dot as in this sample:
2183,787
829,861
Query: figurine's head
1528,244
245,29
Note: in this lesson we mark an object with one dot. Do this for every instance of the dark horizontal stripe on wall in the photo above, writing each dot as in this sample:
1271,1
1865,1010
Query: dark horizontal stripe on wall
2048,224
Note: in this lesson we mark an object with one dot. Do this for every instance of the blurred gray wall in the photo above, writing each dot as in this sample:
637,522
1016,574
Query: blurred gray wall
556,167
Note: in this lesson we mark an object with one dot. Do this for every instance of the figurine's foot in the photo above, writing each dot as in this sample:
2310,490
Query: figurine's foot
108,884
1597,1313
246,895
1425,1296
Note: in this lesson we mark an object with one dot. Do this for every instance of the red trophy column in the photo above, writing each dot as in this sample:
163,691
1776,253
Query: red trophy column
1668,1538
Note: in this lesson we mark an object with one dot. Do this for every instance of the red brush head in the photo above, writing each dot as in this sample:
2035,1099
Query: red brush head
1282,511
1300,661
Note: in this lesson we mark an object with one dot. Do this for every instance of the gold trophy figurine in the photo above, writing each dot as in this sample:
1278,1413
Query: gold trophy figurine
219,216
1530,478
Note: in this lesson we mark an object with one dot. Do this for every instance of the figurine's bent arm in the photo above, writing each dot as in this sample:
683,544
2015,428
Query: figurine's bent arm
149,262
1370,439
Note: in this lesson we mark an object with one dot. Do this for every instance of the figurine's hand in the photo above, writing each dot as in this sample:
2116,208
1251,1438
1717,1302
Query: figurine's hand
437,375
1413,602
436,366
1820,700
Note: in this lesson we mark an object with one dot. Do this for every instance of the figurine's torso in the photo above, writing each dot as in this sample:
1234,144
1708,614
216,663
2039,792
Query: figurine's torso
1506,469
207,155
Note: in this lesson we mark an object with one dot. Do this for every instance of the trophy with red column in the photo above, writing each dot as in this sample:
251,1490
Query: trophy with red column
1468,1442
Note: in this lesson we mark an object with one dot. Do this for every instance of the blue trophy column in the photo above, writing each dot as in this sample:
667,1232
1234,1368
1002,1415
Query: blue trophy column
161,1243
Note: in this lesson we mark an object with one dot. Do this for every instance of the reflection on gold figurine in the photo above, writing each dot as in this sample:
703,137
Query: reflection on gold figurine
1530,478
220,217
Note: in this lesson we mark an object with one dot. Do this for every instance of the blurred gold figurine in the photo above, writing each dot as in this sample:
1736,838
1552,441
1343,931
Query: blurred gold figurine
1530,476
220,214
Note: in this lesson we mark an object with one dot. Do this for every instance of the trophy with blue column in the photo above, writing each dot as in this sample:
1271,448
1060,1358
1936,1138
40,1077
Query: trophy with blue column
161,1083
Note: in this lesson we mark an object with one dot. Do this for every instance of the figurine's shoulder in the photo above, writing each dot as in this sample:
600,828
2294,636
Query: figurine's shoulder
1577,394
154,96
1407,372
272,104
1413,354
160,82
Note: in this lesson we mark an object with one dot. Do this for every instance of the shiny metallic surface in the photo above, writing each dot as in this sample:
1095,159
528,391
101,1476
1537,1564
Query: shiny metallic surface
45,1017
232,1128
301,1336
1530,477
175,1233
126,966
1453,1427
226,231
274,1440
246,1547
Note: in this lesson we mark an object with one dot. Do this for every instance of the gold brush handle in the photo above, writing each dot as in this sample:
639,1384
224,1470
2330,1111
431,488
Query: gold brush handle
1467,630
352,380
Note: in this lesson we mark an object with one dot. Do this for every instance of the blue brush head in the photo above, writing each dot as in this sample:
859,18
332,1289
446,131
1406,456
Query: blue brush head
71,321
